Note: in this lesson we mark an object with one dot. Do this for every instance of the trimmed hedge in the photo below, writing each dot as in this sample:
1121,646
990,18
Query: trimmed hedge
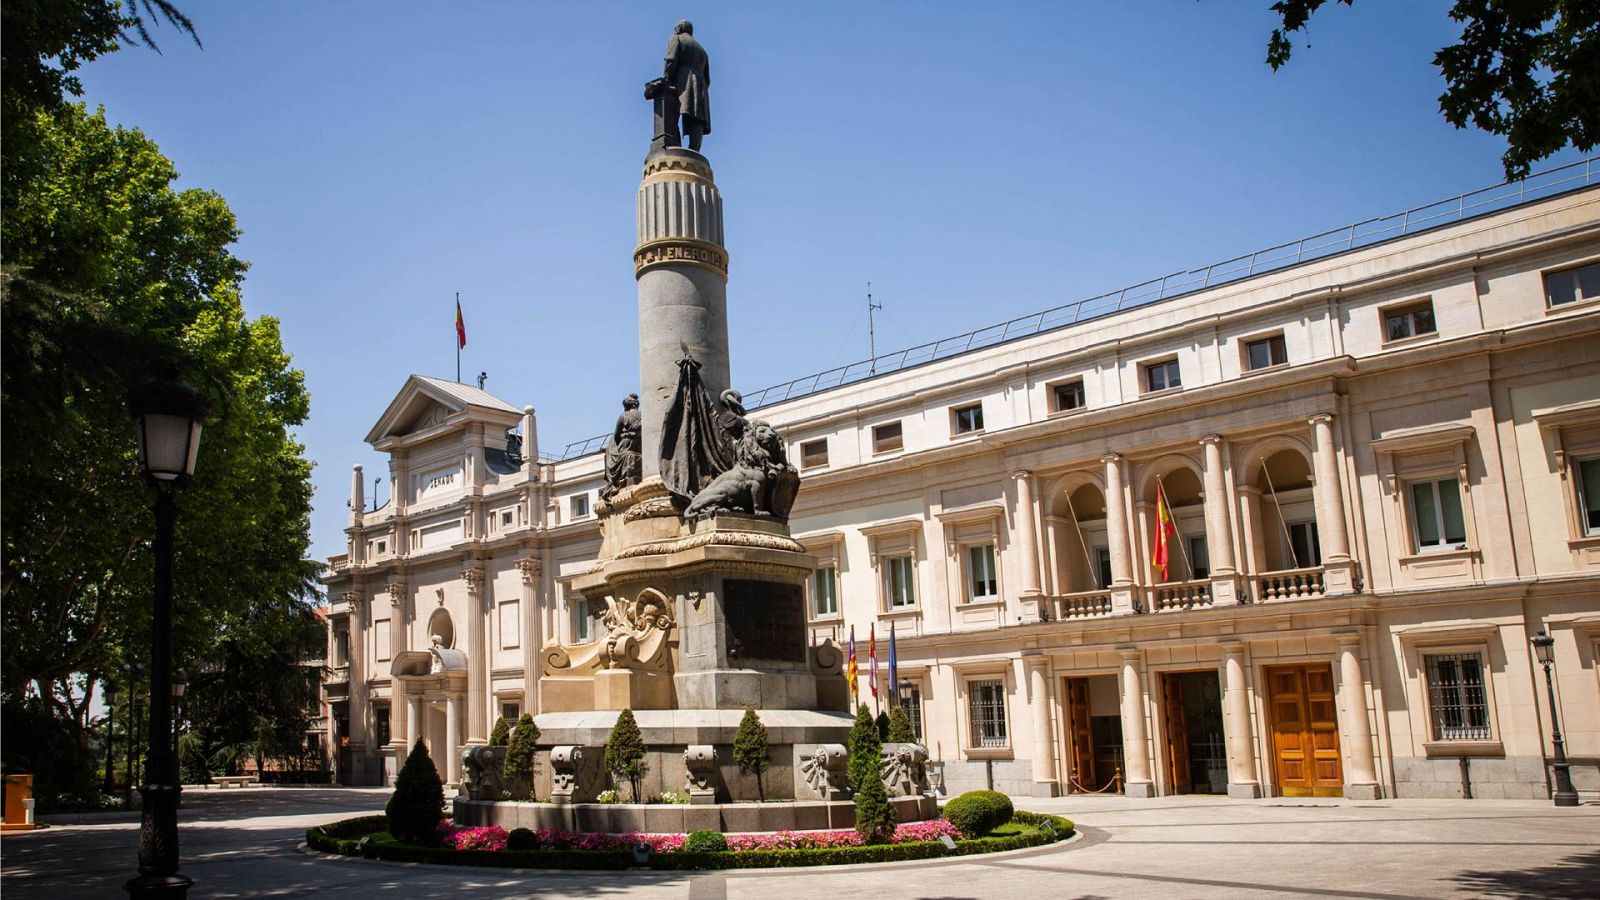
977,813
705,840
345,838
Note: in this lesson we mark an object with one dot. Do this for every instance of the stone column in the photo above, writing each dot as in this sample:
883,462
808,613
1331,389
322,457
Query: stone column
1361,778
682,270
1122,589
530,449
418,720
532,633
452,737
397,644
1255,549
1219,531
356,602
358,503
1044,731
1135,740
398,708
1337,567
477,658
1027,535
1242,781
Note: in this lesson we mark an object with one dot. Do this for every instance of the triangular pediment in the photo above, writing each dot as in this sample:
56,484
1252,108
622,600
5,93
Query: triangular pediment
431,405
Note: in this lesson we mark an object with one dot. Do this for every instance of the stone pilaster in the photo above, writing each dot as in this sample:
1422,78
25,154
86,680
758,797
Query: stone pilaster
356,602
1044,731
1240,746
478,602
1361,777
1135,738
532,631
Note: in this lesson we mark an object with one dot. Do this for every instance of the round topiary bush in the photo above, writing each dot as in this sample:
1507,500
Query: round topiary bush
976,813
522,839
705,841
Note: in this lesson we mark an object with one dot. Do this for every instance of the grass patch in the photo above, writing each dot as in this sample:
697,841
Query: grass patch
366,837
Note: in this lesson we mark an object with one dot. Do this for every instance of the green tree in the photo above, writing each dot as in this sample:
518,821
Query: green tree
750,749
1528,71
900,727
520,764
875,816
417,804
501,733
625,752
882,721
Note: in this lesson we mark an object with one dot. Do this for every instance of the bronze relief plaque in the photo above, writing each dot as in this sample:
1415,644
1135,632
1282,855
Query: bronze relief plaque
766,620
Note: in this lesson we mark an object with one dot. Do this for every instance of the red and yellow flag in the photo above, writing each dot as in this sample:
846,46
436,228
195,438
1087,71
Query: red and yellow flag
851,669
461,327
1165,531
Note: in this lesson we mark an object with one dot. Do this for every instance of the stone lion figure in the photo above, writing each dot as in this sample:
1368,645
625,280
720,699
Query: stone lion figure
760,483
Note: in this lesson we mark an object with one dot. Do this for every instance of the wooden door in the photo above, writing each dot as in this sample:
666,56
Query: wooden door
1080,735
1177,735
1305,731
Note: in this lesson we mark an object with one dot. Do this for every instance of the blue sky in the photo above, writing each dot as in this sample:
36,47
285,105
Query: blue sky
973,162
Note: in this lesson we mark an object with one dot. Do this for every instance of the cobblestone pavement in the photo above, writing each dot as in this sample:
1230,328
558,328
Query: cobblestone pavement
241,843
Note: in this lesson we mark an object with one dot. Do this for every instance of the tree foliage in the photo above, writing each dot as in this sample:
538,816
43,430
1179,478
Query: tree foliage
501,733
1528,71
900,726
625,752
875,815
520,761
750,749
417,804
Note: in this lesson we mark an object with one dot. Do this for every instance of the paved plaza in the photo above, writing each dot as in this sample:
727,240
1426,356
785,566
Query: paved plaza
242,843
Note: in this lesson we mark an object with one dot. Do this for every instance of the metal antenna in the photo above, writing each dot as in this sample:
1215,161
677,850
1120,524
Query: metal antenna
872,333
375,484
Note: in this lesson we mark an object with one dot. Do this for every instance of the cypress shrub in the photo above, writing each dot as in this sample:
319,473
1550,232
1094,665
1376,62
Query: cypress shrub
501,733
883,726
875,816
900,727
750,749
625,752
417,805
705,841
520,761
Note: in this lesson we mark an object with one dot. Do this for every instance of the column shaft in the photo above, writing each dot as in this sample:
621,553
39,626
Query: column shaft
357,604
1362,779
1328,496
478,602
452,738
1027,536
1242,781
418,721
1135,740
1117,523
1219,536
1044,732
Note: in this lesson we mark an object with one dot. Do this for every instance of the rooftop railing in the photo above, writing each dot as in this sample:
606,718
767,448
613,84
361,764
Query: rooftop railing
1537,186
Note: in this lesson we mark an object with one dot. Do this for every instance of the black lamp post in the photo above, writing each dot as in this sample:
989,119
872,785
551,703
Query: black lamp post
1544,646
109,784
168,419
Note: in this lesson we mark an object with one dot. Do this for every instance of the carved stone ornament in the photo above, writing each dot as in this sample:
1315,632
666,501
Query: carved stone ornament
351,597
700,772
473,579
483,772
530,569
575,774
905,769
632,624
756,539
822,771
397,592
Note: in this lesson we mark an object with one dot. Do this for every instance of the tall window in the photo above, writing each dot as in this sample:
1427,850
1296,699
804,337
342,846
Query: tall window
1436,518
1408,321
887,438
381,721
1572,285
1266,352
1069,395
1102,567
981,581
1305,550
967,419
1160,376
1199,557
912,704
580,621
814,454
900,582
341,648
986,703
1456,699
824,591
1589,495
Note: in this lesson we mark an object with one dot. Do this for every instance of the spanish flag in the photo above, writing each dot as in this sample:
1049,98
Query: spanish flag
461,326
851,670
1165,531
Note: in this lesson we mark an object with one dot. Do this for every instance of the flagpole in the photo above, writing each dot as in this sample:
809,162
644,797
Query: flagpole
458,338
1282,522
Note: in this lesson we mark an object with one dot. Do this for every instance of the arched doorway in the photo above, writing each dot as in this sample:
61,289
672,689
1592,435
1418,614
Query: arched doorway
1080,550
1188,558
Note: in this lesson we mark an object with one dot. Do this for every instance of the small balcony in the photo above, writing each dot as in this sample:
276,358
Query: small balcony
1081,605
1177,595
1288,584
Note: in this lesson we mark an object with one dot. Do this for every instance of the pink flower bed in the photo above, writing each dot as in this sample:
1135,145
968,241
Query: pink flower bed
493,837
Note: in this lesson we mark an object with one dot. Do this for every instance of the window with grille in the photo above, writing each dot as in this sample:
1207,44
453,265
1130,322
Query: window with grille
382,722
814,454
1456,699
981,581
1436,518
511,712
986,701
1069,395
1589,495
1572,285
899,582
912,704
824,591
1408,321
1160,376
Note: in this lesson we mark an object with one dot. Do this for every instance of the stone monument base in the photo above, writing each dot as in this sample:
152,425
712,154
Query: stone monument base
664,818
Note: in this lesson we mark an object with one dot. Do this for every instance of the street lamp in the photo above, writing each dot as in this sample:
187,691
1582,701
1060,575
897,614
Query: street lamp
167,417
1544,647
108,784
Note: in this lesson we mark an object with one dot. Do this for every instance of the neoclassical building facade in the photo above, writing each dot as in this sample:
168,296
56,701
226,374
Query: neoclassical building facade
1381,465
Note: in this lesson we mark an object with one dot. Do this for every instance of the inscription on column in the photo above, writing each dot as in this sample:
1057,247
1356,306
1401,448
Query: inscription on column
766,620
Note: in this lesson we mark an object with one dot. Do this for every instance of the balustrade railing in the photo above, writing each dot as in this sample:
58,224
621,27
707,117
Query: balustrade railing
1082,605
1289,584
1180,595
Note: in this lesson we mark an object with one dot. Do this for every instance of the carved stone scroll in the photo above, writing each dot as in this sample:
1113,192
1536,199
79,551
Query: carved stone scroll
700,773
575,774
483,772
905,769
822,773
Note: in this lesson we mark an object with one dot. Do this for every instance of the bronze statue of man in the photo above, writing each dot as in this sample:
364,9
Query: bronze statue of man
688,76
